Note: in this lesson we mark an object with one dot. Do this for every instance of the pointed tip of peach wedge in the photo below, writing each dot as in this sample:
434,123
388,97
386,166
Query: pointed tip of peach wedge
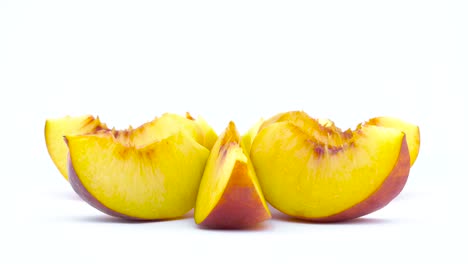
411,131
55,129
229,196
316,171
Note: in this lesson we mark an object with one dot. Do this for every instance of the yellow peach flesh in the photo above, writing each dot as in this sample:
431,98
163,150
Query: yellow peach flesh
156,181
55,129
249,137
229,170
311,171
158,129
411,131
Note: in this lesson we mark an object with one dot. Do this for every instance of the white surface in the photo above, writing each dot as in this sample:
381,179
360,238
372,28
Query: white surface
243,60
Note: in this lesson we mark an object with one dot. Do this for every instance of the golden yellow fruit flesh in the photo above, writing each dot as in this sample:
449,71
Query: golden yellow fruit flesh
249,137
411,131
55,129
167,125
156,130
304,167
156,181
208,133
314,171
229,195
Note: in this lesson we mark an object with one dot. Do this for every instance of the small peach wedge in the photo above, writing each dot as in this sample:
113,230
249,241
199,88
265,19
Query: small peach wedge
229,196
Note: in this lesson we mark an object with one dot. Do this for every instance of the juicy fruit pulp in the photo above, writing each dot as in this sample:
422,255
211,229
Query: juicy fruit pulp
151,172
229,195
319,172
156,130
411,131
156,181
55,129
163,127
307,168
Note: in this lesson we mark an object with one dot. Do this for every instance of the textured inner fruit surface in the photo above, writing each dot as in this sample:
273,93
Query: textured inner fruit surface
323,130
159,129
227,152
55,129
163,127
312,171
411,131
156,130
157,181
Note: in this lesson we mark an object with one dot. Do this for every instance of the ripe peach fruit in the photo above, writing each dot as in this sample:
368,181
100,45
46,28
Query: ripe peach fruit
137,176
311,169
229,195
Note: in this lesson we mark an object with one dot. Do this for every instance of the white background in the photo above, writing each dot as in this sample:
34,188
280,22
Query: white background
128,61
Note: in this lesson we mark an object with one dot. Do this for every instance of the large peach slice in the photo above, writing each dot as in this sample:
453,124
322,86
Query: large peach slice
55,129
313,170
137,176
411,131
229,195
155,130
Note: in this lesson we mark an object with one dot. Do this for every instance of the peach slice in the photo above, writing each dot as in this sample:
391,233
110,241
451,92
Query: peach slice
55,129
142,176
229,195
155,130
317,172
411,131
